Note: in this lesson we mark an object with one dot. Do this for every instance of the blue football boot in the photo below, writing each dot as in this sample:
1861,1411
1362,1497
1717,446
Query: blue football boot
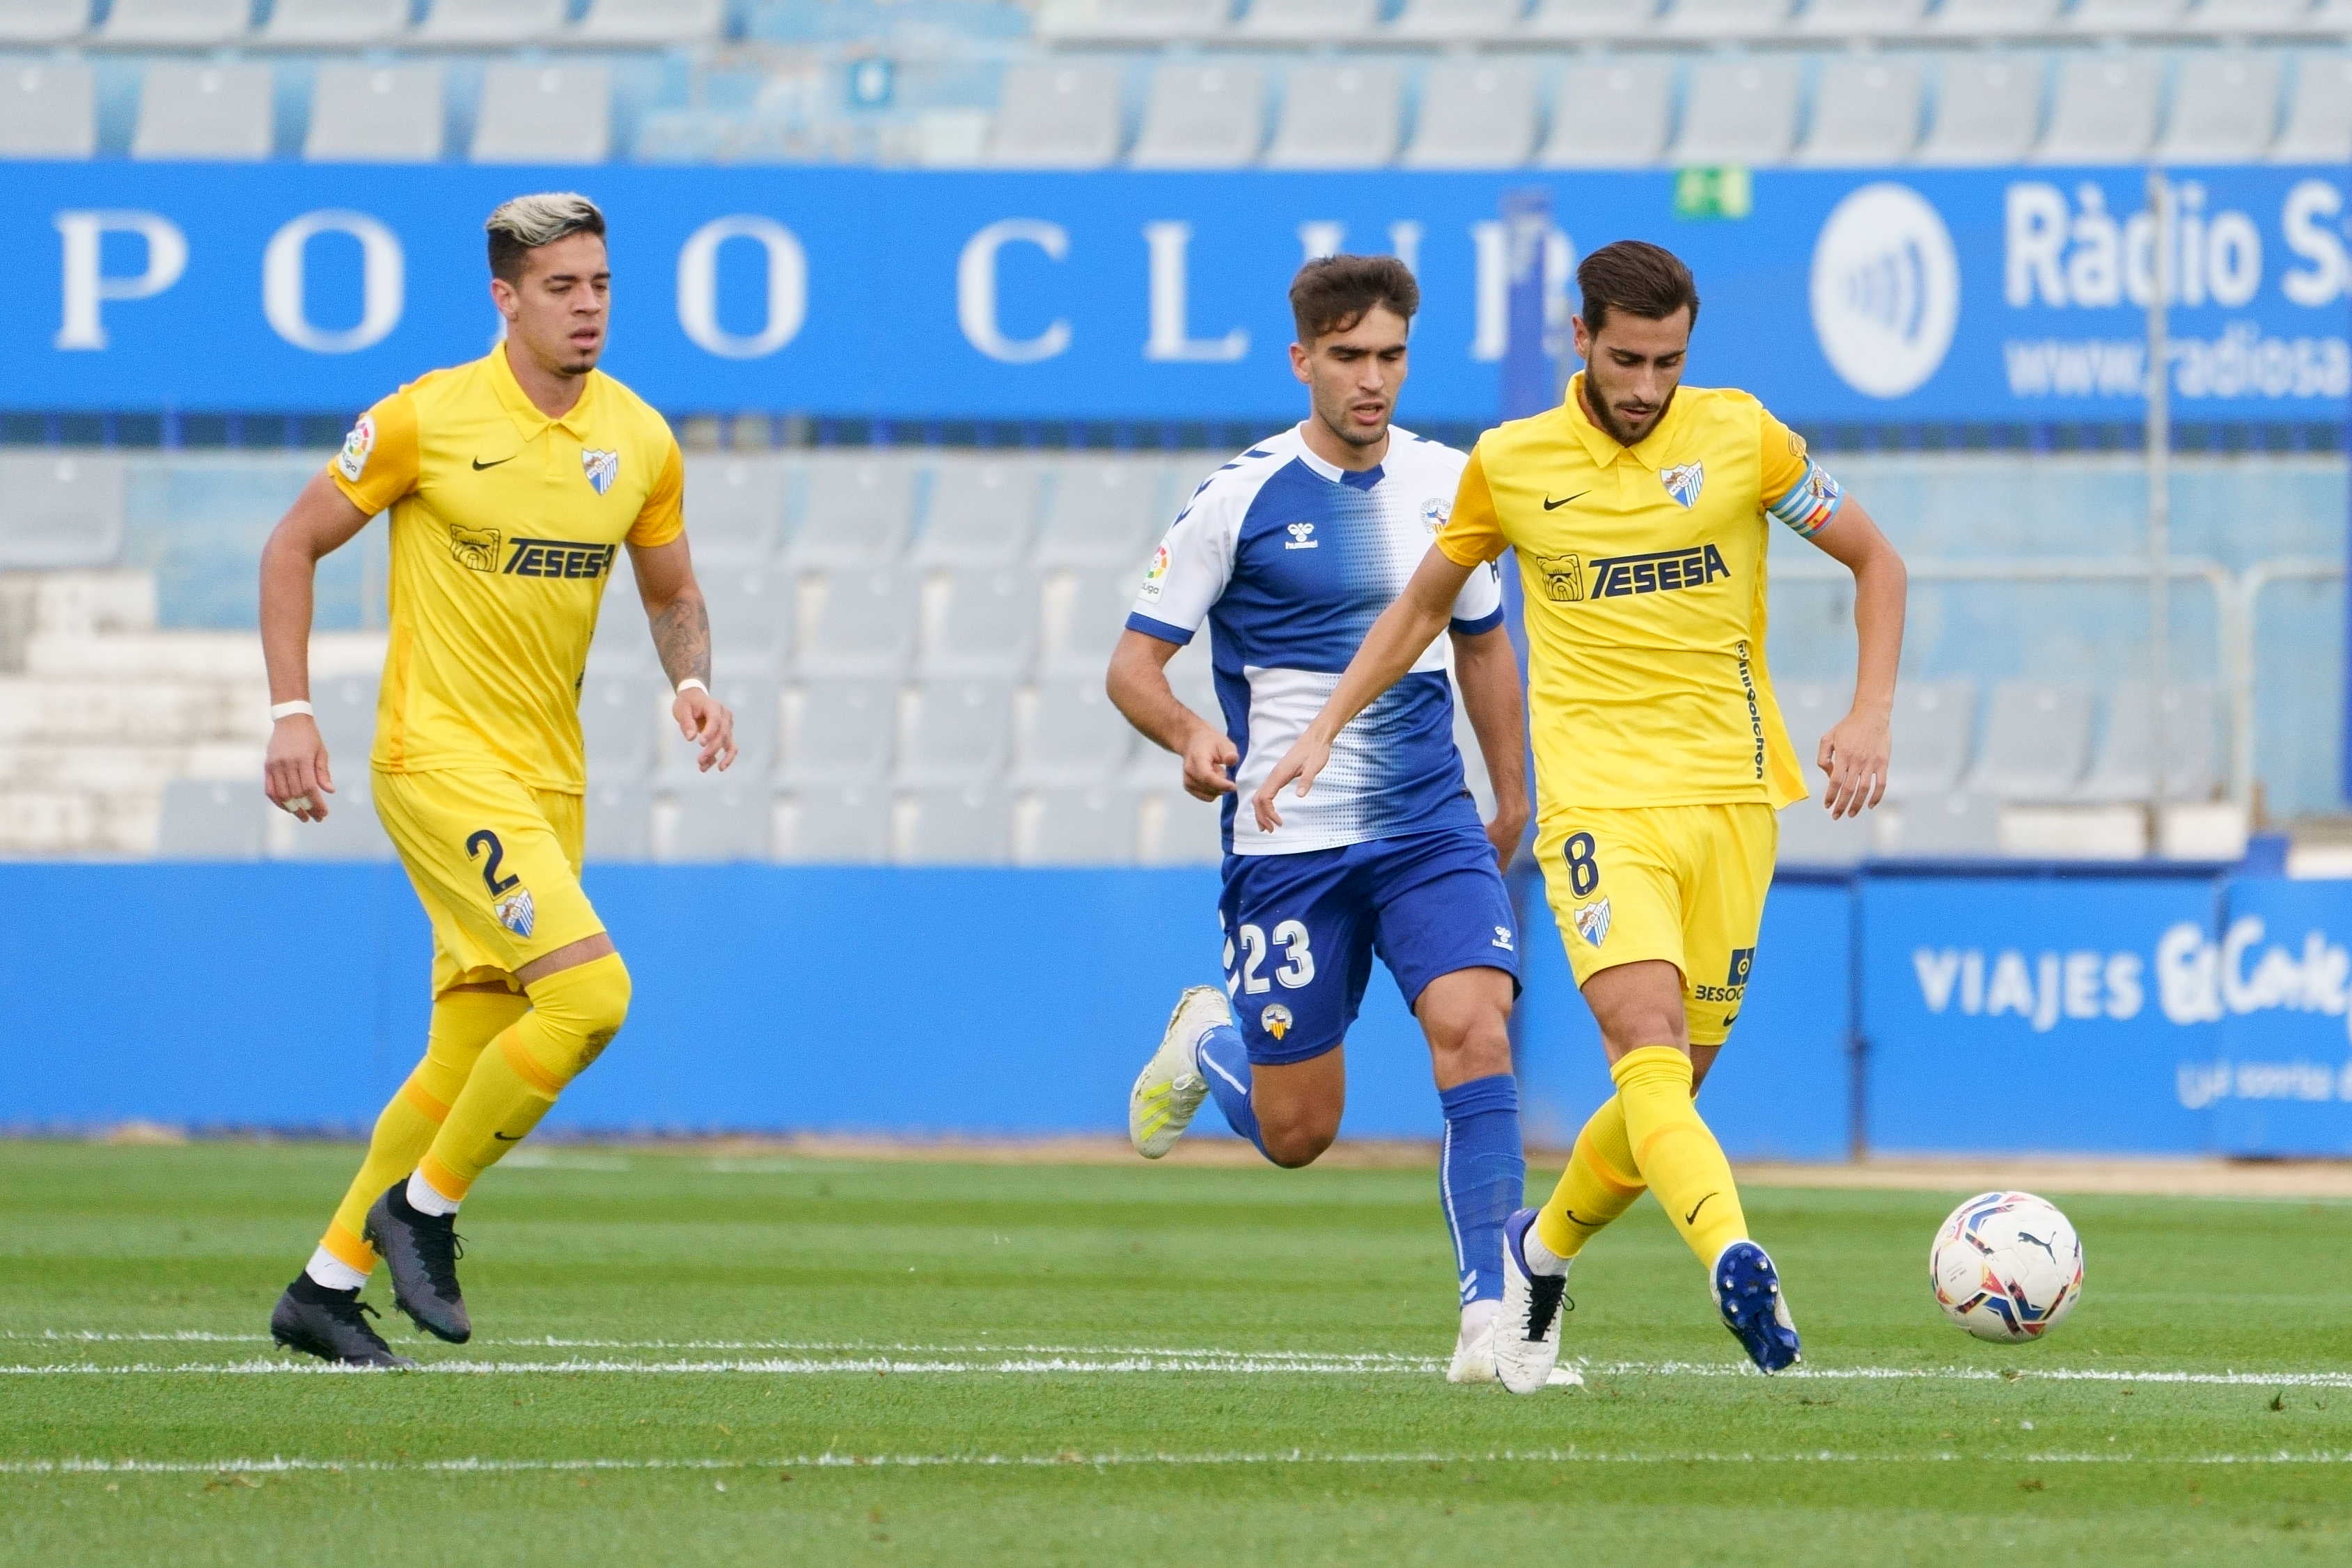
1748,1293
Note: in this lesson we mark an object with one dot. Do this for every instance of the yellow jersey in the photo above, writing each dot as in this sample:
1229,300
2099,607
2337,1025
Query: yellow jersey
505,525
1643,568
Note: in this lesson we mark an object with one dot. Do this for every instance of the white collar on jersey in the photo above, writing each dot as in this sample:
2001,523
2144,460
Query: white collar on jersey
1357,479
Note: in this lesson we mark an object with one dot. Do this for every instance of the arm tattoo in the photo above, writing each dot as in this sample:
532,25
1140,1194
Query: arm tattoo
682,638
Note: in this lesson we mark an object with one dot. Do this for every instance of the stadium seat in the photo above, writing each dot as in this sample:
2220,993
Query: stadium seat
1808,709
1943,827
618,715
216,112
735,506
1058,114
842,731
1346,116
2241,18
351,831
2224,108
981,511
620,823
1611,116
1456,21
1094,615
1810,836
1083,825
2319,118
1741,110
649,22
1181,831
544,114
344,707
624,643
212,819
375,114
1866,111
1475,114
961,824
1202,117
867,625
753,611
757,701
989,625
2104,111
48,109
719,820
1936,719
1996,18
60,510
2037,741
343,24
838,825
1592,21
961,731
1850,19
857,510
176,23
1133,21
1725,19
2110,17
1988,111
1073,736
42,21
1310,21
491,21
1103,512
2191,735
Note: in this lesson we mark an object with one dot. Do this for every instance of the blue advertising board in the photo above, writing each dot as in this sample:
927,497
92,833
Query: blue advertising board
1926,295
2278,1073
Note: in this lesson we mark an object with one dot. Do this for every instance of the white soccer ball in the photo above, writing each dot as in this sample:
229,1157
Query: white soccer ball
2007,1267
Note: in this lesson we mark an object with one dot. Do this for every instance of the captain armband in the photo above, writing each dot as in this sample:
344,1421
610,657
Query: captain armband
1811,502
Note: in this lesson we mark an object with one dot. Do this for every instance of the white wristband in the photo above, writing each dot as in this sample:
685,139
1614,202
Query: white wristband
693,682
287,710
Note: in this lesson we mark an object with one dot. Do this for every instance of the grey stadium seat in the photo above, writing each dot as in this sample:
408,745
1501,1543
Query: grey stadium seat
2192,770
988,627
2103,112
966,825
1810,836
2134,17
857,510
1475,114
753,609
1202,117
1740,111
1808,709
735,506
868,627
649,22
490,21
2224,108
1190,832
1133,21
212,819
1727,19
842,731
48,109
1996,18
42,21
60,510
961,731
618,719
1094,617
2319,118
1611,116
1988,111
344,707
1457,21
839,824
350,830
1074,735
1058,114
1935,721
620,823
1592,21
2037,741
375,114
1085,824
624,643
721,820
2240,19
1311,21
178,23
757,702
544,114
1863,19
211,111
1345,116
1866,111
981,514
342,23
1103,512
1947,827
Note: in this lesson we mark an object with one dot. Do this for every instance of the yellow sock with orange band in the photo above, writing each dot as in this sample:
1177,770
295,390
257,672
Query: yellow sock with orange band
1599,1183
1675,1152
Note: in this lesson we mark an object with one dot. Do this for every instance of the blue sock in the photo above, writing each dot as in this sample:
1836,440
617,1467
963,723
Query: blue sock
1224,1062
1482,1177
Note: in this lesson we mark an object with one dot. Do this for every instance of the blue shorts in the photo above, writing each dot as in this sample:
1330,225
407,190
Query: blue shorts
1301,930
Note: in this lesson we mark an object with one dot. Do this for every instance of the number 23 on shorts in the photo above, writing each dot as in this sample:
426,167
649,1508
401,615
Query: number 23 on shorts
1297,967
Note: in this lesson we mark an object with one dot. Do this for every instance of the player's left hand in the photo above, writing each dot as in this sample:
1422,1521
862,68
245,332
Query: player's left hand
1854,754
709,725
1306,758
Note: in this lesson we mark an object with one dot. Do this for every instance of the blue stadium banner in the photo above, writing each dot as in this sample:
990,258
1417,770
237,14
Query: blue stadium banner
1922,295
2278,1076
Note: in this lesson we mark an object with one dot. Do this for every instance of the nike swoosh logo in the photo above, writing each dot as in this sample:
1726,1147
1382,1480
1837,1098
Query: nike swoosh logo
1549,504
1692,1217
479,464
519,1138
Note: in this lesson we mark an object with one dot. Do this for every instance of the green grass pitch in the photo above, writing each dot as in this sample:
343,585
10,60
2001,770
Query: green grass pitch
690,1359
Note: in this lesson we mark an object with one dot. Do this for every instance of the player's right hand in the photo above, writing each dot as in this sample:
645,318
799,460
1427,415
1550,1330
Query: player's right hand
1209,758
294,772
1305,758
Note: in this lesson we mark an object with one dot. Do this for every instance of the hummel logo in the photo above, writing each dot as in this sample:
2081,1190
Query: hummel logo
1503,939
1692,1217
1551,505
479,464
1302,537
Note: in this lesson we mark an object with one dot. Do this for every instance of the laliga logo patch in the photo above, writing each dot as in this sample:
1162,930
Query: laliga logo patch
601,468
1592,922
516,913
1302,537
1684,481
352,460
1155,578
1434,514
1275,1020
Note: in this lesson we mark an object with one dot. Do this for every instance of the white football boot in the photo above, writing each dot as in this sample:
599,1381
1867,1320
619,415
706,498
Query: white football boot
1527,1331
1171,1088
1474,1348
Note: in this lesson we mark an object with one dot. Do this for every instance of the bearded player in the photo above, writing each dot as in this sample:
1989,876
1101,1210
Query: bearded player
512,482
1640,511
1289,552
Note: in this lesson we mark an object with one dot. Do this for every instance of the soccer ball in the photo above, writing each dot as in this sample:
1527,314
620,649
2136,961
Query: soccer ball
2006,1267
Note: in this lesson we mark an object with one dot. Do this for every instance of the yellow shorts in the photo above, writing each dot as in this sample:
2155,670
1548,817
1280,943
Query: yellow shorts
496,864
1682,883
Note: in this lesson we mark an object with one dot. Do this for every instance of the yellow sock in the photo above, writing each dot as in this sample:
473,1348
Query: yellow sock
574,1013
1599,1183
463,1023
1675,1152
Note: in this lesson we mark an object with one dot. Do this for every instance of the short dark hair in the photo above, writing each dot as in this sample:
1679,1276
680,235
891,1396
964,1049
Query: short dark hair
1334,293
522,226
1637,277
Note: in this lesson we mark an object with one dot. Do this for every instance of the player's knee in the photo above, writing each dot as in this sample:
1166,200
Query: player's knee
1299,1144
582,1008
1469,1042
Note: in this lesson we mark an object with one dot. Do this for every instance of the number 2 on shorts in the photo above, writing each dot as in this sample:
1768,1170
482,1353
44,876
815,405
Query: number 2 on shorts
481,839
1583,866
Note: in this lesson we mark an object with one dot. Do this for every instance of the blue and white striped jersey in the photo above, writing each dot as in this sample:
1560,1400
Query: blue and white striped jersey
1290,561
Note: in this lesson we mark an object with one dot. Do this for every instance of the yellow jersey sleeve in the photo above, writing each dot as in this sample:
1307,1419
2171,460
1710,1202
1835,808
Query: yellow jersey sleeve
1796,489
1473,535
663,517
380,460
